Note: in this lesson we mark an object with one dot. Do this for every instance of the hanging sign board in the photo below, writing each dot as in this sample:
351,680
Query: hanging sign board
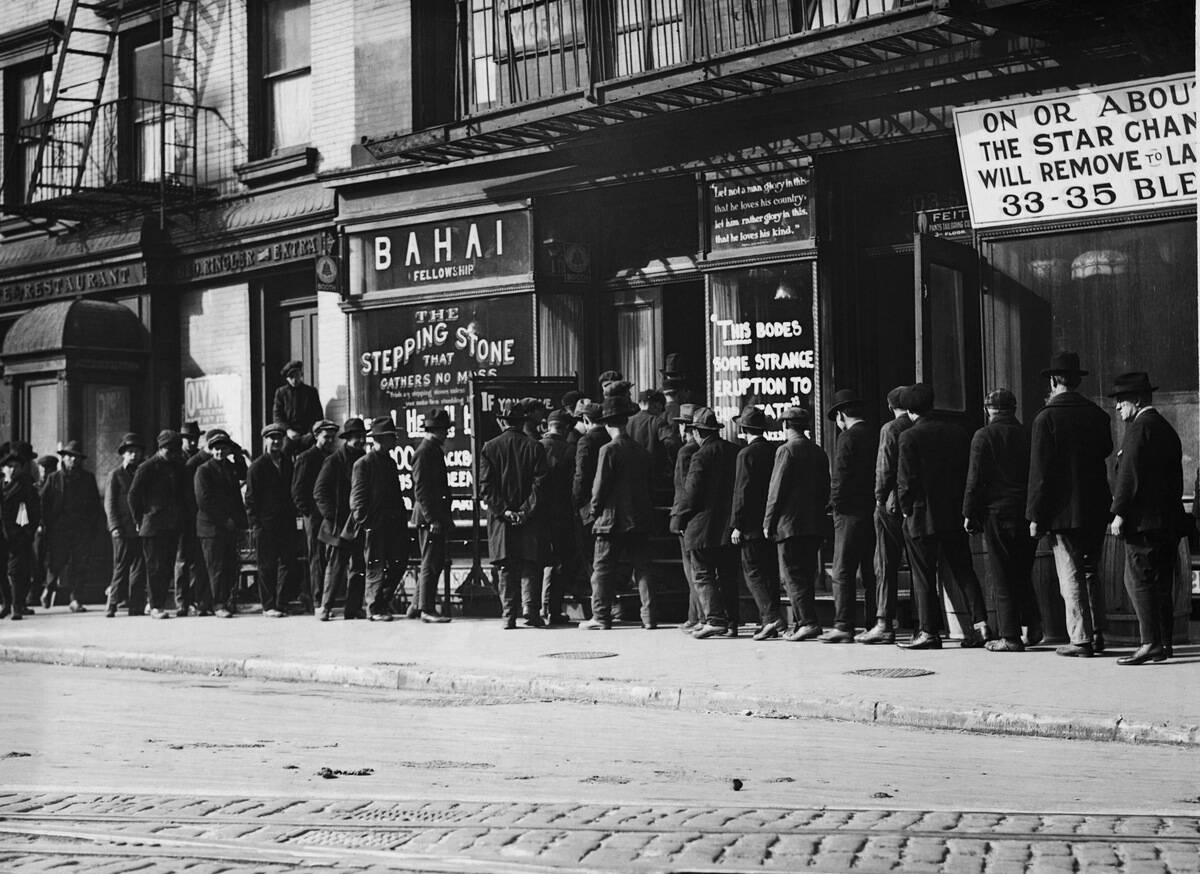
1106,150
766,210
951,222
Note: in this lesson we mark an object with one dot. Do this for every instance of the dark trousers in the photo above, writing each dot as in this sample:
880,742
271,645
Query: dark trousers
1010,590
39,564
798,567
315,553
1149,579
275,559
953,548
67,555
616,555
517,578
889,548
159,552
385,568
191,575
19,566
562,563
760,567
715,571
694,612
222,563
344,571
128,576
853,554
433,565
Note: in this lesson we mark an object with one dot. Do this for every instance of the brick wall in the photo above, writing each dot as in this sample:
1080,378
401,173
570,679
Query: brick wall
333,363
215,341
383,66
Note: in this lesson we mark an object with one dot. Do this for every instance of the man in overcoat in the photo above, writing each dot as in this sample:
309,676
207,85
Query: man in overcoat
1147,510
20,515
129,564
889,524
379,516
930,482
676,522
71,514
191,579
587,455
512,467
220,519
296,405
560,524
752,482
272,518
304,479
1069,498
331,494
852,499
156,499
432,514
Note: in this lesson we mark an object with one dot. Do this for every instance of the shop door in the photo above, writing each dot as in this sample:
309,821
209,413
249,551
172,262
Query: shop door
948,337
302,341
639,337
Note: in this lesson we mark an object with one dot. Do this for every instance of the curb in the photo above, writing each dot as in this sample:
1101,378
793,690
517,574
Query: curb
863,710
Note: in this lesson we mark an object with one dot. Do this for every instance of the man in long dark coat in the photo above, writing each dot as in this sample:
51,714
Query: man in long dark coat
331,493
156,499
1147,510
1069,497
432,514
304,479
20,515
587,456
129,564
560,524
378,515
220,519
71,513
889,523
512,467
676,523
272,517
191,578
752,482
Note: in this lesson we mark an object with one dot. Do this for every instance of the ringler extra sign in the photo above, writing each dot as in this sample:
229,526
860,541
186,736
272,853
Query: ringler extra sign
1105,150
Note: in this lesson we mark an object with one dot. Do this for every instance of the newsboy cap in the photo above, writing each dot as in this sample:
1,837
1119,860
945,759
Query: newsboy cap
217,437
917,398
1000,399
294,364
274,428
168,437
893,397
324,425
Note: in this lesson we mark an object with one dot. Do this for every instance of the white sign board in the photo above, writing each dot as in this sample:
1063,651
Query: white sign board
215,401
1107,150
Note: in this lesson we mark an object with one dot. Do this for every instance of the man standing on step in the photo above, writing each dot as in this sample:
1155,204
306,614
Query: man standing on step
71,514
156,500
129,564
431,514
273,519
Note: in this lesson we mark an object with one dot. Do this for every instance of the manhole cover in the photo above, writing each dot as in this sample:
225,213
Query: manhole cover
579,655
892,673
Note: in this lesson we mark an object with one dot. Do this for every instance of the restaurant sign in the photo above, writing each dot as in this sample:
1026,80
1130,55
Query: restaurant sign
74,284
1104,150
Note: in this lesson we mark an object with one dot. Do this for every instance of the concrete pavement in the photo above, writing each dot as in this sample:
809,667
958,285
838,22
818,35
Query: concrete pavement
1034,693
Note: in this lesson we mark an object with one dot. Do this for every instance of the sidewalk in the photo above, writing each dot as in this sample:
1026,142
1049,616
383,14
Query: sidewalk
1035,693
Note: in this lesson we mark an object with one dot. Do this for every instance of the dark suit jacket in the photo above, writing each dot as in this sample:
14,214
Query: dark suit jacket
190,465
299,408
71,502
331,493
621,492
799,490
1068,482
116,502
558,510
587,456
304,479
431,488
269,494
682,462
998,471
888,459
156,496
219,507
852,487
12,495
1149,489
932,476
377,507
751,484
708,494
512,467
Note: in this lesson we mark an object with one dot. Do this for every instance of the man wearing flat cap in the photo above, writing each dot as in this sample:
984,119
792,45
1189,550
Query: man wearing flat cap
432,514
379,516
272,517
930,482
129,564
752,482
677,523
512,467
994,503
304,480
889,523
71,513
296,406
852,498
20,515
331,494
156,499
1147,508
1069,497
560,524
220,519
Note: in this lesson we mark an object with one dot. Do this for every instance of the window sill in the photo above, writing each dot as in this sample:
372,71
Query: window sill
290,162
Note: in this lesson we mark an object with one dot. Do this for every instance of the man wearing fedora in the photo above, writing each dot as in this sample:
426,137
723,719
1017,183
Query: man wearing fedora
304,479
889,524
20,515
930,481
794,518
272,518
156,499
677,523
379,516
431,514
1147,508
190,435
560,523
129,564
331,494
622,509
1069,497
511,470
707,504
852,499
191,579
71,513
994,503
751,483
587,455
220,519
296,405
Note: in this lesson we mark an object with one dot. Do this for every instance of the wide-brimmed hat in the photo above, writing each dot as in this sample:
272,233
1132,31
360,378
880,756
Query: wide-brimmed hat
11,458
1065,363
754,419
131,441
843,397
511,411
324,425
617,407
168,437
73,447
24,449
294,364
1000,399
351,427
191,430
795,413
675,366
436,418
587,407
686,411
383,427
1132,383
917,398
705,419
274,428
560,416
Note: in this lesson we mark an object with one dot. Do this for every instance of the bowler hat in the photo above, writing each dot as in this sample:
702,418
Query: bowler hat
796,413
705,419
1000,399
24,449
1135,382
168,437
73,447
190,430
843,397
436,418
48,462
511,411
274,428
686,411
754,419
917,398
674,367
294,364
587,407
131,441
324,425
1066,363
617,407
893,397
383,427
352,427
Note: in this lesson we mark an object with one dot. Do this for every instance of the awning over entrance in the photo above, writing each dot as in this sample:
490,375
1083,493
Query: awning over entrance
73,328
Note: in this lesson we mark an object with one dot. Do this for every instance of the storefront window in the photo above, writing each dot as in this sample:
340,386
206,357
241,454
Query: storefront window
948,368
560,320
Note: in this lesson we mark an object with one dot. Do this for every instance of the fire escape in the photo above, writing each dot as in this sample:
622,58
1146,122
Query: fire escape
88,158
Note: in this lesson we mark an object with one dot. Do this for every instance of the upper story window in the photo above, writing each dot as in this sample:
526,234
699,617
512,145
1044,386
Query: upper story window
286,75
24,105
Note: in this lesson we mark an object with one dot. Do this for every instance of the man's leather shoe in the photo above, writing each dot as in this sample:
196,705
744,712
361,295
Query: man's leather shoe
353,614
76,607
770,630
535,621
413,612
183,611
559,619
972,640
4,611
596,625
111,611
159,614
1098,642
705,631
804,632
380,617
1145,653
836,635
1166,653
1075,650
1034,634
436,618
1004,644
688,627
879,634
276,614
922,640
510,624
322,615
16,617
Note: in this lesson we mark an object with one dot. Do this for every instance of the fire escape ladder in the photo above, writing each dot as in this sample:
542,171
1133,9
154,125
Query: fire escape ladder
179,101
